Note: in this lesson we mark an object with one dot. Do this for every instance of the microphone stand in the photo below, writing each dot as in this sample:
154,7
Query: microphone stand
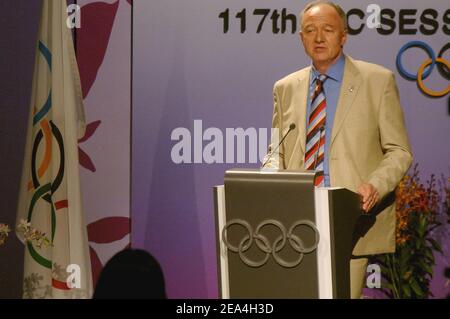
291,127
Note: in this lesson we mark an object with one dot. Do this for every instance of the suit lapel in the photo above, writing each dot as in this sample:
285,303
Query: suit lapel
351,83
303,87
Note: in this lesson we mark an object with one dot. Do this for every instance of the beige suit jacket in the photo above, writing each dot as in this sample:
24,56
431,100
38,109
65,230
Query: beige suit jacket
369,142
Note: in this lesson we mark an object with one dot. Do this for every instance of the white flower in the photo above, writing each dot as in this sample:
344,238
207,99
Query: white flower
23,225
4,231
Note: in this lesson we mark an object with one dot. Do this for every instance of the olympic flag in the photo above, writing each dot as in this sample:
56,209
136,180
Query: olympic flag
50,199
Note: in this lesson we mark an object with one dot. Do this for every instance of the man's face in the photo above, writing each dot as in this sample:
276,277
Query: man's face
323,34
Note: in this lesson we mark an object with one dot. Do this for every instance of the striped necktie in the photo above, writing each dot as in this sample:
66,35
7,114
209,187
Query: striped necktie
315,135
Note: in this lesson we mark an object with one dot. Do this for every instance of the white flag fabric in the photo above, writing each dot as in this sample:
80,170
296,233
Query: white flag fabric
50,198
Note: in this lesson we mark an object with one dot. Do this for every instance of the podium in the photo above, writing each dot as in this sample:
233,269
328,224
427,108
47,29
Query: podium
277,236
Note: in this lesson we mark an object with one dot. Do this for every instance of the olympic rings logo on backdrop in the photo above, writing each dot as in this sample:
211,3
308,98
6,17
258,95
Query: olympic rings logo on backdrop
263,243
426,67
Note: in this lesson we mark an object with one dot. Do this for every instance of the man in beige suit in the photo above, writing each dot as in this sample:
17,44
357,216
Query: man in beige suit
362,140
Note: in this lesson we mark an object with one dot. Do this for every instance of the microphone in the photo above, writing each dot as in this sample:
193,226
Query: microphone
291,128
316,155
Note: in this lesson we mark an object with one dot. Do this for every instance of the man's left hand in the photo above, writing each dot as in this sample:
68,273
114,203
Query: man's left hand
370,196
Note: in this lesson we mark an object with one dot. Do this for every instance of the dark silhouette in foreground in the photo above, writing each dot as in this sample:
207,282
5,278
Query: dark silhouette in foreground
131,274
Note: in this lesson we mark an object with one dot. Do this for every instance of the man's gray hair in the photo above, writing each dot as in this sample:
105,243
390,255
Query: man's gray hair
337,7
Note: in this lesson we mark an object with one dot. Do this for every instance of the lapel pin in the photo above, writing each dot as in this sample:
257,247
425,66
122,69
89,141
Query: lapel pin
351,88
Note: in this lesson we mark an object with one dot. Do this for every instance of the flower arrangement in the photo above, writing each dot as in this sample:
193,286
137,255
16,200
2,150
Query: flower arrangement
29,234
421,210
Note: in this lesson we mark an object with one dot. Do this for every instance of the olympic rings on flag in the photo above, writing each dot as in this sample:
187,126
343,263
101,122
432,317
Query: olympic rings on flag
426,67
